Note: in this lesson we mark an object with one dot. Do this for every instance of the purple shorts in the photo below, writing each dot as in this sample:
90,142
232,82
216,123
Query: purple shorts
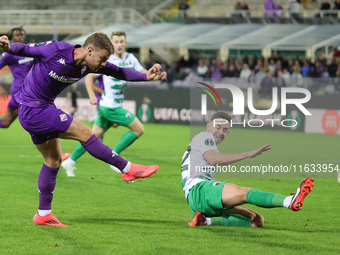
44,123
12,104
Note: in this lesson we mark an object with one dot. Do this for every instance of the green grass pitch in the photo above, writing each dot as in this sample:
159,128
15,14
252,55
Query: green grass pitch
105,215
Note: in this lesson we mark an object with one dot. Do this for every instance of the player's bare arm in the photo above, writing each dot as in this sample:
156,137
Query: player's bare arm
242,211
89,84
4,43
214,157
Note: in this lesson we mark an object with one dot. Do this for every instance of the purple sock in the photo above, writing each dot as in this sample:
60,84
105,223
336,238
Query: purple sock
100,151
46,185
0,123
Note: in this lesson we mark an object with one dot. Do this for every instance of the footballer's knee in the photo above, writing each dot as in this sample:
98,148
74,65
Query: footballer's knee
140,130
243,194
54,162
59,161
85,133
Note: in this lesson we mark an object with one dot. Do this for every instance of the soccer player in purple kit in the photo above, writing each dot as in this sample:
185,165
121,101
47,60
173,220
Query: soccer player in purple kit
56,66
19,67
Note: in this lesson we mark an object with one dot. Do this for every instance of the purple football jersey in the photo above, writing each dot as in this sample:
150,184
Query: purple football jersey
19,67
54,69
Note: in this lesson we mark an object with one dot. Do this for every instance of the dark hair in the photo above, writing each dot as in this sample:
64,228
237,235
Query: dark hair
221,115
11,32
99,41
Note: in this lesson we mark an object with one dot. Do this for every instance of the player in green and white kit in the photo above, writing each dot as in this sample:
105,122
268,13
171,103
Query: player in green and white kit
110,110
218,203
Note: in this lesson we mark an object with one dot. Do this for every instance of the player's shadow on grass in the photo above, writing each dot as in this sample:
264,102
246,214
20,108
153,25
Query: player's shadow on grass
264,237
298,230
125,221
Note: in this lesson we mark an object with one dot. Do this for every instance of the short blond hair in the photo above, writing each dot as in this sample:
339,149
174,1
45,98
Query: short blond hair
118,33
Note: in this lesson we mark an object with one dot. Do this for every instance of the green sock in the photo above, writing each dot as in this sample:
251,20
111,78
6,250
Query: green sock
78,151
124,142
235,220
265,199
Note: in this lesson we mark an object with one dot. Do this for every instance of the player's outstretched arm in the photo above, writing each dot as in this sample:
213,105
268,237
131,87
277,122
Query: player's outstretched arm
253,154
154,73
214,157
4,43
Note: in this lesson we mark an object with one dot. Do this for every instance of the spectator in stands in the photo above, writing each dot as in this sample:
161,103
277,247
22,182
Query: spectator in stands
325,6
238,67
279,68
258,65
181,75
231,71
286,76
297,65
278,57
266,85
284,62
209,72
266,64
280,81
238,6
318,68
290,65
270,8
305,69
183,6
245,8
272,56
306,3
294,9
252,77
216,73
296,79
260,75
148,63
312,73
207,62
279,10
245,73
336,5
170,77
336,80
251,63
332,68
213,64
202,68
272,67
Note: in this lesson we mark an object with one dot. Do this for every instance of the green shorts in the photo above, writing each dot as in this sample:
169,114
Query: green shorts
206,197
108,116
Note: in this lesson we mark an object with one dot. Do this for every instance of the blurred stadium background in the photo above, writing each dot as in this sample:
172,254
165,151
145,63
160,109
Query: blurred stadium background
214,41
237,42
